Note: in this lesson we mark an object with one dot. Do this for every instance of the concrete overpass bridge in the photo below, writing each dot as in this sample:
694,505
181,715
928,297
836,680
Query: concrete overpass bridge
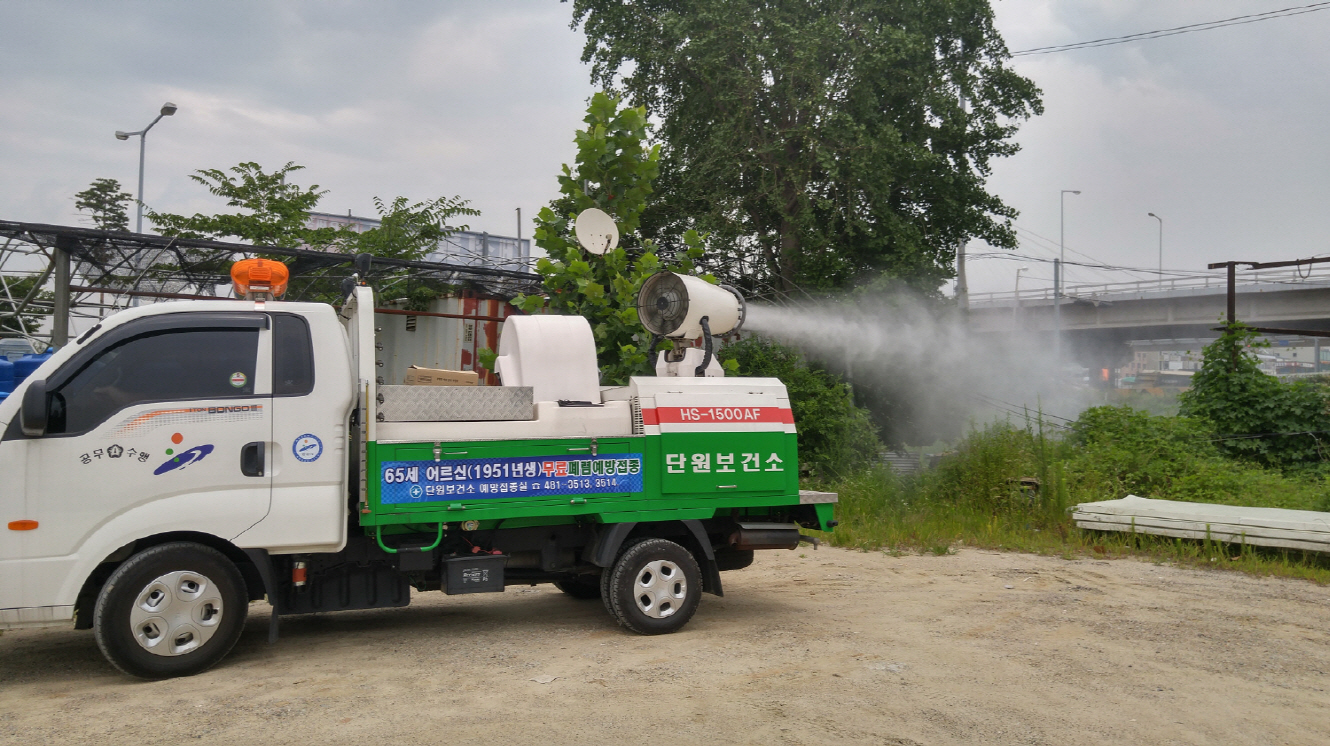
1099,321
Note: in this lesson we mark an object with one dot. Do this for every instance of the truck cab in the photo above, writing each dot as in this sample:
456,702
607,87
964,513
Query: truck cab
182,459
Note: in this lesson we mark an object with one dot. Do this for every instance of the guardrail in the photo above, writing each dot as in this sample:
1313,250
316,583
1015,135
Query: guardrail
1217,281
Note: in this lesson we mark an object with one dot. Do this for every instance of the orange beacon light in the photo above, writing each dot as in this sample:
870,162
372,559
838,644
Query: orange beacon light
259,279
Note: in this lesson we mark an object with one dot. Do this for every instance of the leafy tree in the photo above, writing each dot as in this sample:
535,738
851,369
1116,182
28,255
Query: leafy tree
1253,414
819,140
105,203
614,172
835,437
276,213
409,231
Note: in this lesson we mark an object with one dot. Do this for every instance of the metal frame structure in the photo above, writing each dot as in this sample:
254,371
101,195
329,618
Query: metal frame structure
1232,269
129,265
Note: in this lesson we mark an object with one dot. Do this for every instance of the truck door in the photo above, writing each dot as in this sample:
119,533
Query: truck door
163,424
309,500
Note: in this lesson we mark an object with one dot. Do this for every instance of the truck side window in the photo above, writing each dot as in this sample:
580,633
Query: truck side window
160,366
292,356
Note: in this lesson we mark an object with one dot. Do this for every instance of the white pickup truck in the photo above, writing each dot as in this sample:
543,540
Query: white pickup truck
182,459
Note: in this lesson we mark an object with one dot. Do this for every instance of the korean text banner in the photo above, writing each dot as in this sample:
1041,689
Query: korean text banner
491,478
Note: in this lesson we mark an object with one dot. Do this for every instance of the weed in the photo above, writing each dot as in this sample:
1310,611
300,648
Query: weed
1009,488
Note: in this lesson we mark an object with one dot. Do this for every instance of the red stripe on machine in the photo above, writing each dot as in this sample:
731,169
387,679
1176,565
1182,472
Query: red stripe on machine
716,415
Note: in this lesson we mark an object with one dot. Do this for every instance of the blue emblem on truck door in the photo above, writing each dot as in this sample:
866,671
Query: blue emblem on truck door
307,448
181,460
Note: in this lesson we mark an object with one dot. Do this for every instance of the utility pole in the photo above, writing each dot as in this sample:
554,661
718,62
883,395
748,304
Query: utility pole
1058,311
1057,267
60,314
520,254
1016,306
962,287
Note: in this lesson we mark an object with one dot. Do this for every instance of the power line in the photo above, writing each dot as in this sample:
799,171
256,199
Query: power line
1189,28
1051,243
1178,274
1067,274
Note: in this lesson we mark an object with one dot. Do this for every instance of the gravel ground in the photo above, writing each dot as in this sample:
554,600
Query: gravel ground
828,646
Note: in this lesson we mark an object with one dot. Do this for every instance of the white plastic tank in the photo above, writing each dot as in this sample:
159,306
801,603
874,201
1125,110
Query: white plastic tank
554,355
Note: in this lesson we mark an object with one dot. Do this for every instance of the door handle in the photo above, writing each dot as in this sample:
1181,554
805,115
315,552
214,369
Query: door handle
251,459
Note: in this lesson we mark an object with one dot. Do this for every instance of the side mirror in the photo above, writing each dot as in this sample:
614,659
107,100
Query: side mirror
34,412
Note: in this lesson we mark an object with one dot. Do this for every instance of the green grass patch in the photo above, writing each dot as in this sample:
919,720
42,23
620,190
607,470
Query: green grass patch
1007,487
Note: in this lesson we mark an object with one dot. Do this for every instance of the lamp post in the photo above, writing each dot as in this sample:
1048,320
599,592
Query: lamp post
168,109
1161,245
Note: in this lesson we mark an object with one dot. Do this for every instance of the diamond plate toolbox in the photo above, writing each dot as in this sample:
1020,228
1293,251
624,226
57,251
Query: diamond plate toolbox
455,403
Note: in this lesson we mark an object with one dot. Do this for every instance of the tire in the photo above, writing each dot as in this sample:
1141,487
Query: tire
171,610
582,587
654,587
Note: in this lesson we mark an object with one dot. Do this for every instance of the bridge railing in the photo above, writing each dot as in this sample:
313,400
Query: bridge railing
1217,281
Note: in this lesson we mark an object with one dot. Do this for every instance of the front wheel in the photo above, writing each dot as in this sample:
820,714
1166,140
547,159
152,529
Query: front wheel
654,588
171,610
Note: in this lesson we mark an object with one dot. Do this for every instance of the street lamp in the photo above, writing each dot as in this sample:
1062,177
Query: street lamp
1161,245
168,109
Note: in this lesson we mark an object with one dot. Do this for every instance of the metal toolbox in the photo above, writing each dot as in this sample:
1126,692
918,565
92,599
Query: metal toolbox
455,403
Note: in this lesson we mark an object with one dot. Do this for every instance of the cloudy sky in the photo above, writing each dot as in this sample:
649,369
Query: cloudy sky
1223,133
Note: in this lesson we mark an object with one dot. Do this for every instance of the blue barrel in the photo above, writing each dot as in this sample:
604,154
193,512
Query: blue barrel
6,377
24,366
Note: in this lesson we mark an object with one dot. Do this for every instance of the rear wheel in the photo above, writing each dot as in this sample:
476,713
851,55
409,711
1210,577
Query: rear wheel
171,610
585,587
654,588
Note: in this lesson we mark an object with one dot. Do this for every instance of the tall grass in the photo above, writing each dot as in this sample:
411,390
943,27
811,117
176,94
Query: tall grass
1009,487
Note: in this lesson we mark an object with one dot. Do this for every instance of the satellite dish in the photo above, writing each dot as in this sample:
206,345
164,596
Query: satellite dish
596,231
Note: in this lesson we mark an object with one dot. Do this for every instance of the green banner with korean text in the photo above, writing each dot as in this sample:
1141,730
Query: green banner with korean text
707,462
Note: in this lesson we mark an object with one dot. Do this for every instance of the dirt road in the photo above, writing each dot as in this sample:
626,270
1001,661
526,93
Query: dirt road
831,646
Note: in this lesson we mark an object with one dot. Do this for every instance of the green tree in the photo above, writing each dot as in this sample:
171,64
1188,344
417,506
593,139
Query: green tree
835,437
819,141
1254,415
275,212
105,203
614,172
409,231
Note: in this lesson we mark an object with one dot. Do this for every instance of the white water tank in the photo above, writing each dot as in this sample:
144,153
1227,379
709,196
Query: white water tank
554,355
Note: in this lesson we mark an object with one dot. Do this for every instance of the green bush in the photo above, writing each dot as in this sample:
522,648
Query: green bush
836,438
1115,451
1259,418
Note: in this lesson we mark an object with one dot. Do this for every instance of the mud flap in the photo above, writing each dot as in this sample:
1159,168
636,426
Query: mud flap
710,570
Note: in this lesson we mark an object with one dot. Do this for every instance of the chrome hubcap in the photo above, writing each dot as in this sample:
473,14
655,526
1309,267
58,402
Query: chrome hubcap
660,589
176,613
